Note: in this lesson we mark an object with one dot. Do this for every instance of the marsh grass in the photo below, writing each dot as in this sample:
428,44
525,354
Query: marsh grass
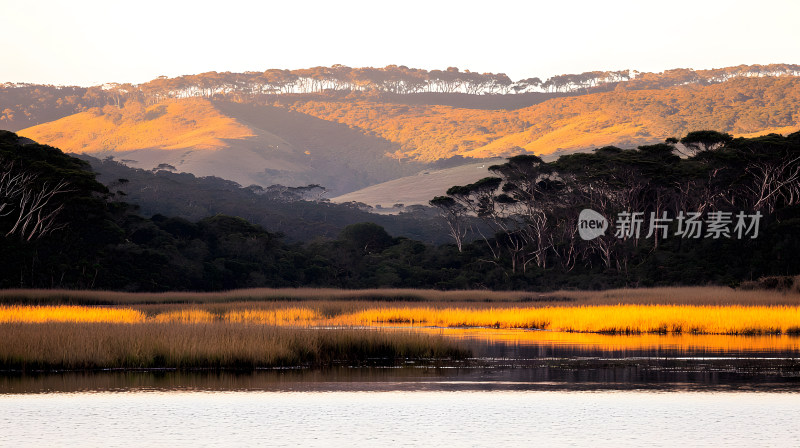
71,346
611,319
286,316
184,316
273,328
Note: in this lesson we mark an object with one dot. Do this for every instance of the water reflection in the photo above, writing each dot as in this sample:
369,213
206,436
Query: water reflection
527,343
540,378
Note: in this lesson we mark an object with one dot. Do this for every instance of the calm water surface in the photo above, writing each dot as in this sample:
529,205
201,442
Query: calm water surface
409,418
523,388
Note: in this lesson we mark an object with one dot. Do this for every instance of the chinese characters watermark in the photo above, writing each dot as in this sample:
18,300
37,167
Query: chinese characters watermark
715,225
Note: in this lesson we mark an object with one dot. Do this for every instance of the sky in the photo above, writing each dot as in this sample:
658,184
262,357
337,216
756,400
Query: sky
85,42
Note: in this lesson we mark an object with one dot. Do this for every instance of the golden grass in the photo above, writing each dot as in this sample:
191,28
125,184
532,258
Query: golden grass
628,319
267,334
67,313
71,313
288,316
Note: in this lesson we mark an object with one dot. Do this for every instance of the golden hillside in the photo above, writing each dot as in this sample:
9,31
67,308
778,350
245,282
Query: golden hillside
351,140
190,123
744,106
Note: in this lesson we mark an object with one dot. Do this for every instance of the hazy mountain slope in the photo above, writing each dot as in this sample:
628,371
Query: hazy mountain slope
419,188
187,196
228,140
345,157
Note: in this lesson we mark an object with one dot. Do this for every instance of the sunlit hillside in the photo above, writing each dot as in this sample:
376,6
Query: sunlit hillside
248,144
744,106
189,123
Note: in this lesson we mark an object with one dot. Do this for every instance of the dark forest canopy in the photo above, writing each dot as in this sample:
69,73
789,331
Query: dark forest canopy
529,238
24,104
728,207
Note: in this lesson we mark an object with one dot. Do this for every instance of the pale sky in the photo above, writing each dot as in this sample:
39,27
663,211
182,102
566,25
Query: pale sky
86,42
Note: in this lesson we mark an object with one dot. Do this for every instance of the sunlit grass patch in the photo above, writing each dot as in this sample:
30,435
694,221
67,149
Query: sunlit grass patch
67,313
285,316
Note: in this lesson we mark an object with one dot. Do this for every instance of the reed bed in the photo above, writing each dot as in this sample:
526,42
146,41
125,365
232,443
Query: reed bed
619,319
69,313
184,316
62,345
287,316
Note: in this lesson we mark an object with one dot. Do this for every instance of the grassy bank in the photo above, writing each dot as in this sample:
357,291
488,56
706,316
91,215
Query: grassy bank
62,345
711,295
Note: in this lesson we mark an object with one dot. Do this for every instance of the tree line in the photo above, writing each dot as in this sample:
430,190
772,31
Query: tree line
706,177
24,104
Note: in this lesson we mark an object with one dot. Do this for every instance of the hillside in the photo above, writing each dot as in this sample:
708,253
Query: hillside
188,124
743,106
348,129
248,144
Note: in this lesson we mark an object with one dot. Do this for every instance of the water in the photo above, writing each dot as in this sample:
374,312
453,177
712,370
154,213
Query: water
409,418
524,388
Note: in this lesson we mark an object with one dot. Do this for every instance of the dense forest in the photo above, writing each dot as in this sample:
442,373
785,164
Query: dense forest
62,228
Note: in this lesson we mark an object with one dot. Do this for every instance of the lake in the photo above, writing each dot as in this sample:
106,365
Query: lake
523,388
